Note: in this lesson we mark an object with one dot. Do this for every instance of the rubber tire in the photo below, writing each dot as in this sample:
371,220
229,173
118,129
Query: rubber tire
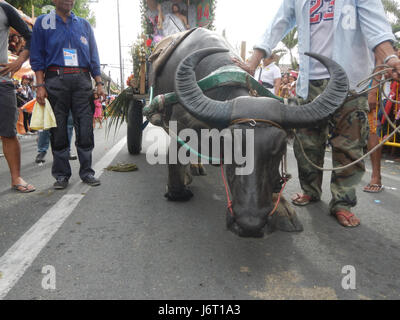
135,123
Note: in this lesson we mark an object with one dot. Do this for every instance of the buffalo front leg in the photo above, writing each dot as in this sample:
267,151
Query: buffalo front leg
284,218
177,181
198,170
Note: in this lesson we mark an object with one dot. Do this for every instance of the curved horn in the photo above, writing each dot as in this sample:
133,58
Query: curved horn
331,99
307,115
221,113
213,112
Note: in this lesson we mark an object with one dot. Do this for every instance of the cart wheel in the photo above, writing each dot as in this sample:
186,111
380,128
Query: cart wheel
135,123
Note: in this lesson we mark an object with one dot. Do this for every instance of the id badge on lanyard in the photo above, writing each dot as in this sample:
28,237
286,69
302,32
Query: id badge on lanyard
71,57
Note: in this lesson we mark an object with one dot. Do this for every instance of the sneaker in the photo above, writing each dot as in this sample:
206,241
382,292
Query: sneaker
91,181
72,157
61,184
40,157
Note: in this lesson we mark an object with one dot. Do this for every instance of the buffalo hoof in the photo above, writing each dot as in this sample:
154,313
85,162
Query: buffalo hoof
197,170
239,231
285,218
182,196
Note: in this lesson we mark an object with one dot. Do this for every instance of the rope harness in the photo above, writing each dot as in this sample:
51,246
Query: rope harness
285,177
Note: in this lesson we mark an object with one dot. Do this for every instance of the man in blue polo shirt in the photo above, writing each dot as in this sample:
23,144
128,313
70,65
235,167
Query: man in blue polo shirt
64,54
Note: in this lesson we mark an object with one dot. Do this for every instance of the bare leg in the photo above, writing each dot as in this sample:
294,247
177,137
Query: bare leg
376,179
12,153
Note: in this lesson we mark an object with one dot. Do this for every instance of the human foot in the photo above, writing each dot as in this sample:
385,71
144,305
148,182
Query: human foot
300,199
347,219
22,186
373,188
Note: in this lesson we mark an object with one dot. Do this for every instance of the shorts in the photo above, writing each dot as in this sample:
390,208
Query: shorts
372,119
8,110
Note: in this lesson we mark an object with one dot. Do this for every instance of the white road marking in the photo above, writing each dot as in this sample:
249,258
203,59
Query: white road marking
21,255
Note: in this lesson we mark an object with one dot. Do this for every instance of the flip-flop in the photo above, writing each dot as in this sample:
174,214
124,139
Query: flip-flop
373,188
25,188
347,216
300,199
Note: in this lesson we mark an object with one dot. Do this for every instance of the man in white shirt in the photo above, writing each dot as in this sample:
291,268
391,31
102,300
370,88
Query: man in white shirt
352,33
269,75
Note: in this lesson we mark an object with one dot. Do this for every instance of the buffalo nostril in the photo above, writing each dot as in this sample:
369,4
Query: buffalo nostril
251,223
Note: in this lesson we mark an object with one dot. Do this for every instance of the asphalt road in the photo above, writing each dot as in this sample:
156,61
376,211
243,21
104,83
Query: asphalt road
123,240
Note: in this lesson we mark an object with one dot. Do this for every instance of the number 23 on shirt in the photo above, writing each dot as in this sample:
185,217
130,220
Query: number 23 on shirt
317,12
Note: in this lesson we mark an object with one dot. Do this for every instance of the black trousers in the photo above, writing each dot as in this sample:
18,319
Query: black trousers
71,92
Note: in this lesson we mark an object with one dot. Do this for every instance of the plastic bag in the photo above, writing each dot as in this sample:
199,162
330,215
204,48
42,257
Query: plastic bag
28,107
43,117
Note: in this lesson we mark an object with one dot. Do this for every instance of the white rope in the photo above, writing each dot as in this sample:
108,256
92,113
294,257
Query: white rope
380,84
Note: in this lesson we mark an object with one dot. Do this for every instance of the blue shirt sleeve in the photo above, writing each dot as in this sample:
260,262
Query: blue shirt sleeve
283,22
374,23
94,54
37,53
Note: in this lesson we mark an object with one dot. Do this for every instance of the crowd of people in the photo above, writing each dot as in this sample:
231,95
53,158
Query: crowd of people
269,75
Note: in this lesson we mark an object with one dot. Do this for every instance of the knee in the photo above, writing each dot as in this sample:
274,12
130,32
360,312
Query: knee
85,138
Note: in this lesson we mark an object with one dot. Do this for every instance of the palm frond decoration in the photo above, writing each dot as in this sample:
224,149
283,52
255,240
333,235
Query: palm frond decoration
290,41
392,10
118,109
279,54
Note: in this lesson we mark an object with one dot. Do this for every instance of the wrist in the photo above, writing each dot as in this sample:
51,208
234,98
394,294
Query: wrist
389,57
99,83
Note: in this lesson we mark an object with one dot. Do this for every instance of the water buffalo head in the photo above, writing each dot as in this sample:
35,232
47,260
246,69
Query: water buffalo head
252,194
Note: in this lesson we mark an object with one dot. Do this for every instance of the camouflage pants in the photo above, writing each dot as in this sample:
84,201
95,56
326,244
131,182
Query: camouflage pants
347,131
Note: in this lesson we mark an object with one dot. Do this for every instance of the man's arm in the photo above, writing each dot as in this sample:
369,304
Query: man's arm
252,64
38,50
41,93
378,33
384,51
373,23
95,64
15,21
37,61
